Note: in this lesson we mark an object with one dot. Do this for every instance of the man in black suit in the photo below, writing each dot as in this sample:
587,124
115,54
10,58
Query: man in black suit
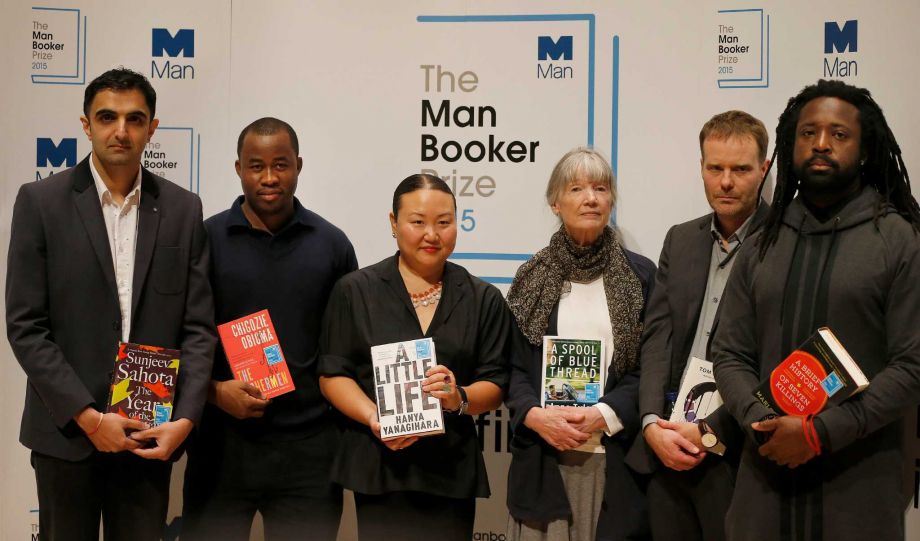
689,495
101,253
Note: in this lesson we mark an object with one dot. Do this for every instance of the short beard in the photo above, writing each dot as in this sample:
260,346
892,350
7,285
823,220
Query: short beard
832,182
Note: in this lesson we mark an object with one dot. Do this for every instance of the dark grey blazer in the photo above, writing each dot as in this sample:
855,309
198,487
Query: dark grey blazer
62,313
670,326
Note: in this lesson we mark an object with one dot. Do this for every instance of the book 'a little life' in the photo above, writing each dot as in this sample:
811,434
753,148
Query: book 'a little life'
403,409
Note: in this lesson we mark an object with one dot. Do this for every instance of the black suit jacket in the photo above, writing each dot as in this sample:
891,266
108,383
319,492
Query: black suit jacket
670,327
62,312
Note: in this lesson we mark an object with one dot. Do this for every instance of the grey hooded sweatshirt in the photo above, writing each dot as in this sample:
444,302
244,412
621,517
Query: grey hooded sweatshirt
861,278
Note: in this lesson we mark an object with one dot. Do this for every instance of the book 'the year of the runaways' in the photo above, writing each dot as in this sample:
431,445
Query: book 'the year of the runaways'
698,395
403,409
818,373
144,383
254,354
573,371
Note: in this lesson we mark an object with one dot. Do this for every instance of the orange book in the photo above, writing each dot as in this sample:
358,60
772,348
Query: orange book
254,354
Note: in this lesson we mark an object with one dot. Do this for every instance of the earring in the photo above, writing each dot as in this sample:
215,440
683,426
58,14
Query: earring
394,234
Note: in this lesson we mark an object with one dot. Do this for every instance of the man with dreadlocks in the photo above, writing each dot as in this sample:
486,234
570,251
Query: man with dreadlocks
840,249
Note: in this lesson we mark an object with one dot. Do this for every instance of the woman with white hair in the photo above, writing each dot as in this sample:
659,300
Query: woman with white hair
567,479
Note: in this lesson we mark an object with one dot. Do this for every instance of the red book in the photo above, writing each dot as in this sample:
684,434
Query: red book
144,383
254,354
819,373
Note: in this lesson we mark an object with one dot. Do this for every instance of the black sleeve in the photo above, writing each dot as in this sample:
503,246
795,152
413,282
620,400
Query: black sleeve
493,339
338,337
28,323
734,344
655,355
522,391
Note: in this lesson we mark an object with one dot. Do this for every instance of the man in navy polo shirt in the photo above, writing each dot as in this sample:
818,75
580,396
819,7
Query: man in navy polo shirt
252,454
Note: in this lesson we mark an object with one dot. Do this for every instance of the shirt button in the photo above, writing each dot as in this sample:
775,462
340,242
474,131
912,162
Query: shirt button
715,300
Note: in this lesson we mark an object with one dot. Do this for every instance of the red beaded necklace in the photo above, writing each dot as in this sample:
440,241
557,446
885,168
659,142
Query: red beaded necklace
430,296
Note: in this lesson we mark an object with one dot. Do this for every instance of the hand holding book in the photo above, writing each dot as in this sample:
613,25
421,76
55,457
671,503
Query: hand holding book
108,431
166,437
393,444
440,383
787,445
238,398
556,426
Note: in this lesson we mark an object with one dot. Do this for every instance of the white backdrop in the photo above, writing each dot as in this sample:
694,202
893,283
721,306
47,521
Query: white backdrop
637,80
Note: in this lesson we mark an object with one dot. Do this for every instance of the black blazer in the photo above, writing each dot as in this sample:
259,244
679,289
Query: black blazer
535,488
62,312
670,327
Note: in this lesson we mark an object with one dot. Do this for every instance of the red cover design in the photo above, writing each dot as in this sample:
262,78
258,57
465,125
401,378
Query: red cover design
254,354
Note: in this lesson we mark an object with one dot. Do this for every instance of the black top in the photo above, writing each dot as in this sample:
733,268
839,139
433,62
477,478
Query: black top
291,273
470,329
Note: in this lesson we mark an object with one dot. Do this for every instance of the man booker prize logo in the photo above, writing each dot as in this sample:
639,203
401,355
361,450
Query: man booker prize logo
843,40
164,43
551,50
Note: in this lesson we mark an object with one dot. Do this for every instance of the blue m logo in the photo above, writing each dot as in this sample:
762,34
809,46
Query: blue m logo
183,41
547,48
840,39
46,152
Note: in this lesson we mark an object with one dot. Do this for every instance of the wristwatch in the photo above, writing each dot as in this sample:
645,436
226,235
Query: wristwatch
709,439
464,401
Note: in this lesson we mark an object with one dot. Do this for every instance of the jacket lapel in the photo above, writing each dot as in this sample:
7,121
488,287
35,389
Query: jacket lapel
86,199
148,222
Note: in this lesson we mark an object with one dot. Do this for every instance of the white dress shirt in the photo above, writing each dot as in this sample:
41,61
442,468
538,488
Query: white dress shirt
121,228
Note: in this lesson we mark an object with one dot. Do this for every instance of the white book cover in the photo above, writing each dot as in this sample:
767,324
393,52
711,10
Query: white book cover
698,396
403,409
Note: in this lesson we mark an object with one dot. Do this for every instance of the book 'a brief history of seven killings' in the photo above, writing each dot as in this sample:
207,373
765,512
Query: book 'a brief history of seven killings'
573,371
254,354
144,383
403,409
818,373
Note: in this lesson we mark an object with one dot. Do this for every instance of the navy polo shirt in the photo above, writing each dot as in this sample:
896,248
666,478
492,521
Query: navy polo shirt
290,273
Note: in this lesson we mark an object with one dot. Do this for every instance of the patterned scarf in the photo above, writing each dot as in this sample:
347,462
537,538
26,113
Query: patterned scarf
541,281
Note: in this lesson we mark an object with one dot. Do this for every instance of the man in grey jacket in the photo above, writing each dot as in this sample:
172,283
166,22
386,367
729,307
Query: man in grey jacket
843,253
691,484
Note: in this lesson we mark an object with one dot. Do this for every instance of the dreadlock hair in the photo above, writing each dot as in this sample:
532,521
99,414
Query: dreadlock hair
883,168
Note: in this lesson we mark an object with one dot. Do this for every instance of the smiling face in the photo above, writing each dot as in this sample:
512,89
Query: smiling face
119,126
827,150
268,169
732,170
584,206
425,229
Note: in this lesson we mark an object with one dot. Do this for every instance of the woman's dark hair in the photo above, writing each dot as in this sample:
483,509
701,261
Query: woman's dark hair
420,182
120,79
883,168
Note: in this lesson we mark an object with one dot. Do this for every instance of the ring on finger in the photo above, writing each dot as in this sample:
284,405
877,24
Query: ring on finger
446,388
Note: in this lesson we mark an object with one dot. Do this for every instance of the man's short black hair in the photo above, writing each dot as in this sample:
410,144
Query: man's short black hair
120,79
268,126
